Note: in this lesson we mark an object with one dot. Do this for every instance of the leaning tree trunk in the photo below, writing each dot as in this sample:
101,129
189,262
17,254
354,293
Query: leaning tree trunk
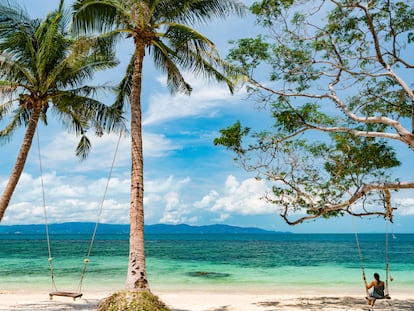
20,161
137,275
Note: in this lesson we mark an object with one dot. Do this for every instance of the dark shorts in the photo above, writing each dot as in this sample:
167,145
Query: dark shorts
375,295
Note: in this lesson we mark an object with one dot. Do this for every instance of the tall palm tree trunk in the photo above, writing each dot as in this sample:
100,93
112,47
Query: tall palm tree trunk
137,276
20,161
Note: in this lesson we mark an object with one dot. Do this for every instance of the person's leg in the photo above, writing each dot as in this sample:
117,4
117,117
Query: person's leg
369,298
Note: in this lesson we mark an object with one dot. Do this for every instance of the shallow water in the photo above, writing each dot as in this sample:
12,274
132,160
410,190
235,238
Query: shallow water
217,261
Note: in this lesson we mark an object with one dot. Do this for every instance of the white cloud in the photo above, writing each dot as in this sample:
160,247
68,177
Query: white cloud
237,198
205,100
165,202
175,211
405,206
59,153
165,185
207,200
157,145
222,217
68,199
175,206
79,197
172,200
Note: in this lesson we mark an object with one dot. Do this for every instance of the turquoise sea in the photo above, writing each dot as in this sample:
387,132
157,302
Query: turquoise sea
213,261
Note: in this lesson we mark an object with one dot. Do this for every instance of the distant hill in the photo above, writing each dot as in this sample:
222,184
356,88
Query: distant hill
65,228
210,229
88,227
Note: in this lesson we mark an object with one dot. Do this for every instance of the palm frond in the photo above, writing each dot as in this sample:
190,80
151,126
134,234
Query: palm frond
79,66
87,90
6,107
15,71
100,44
197,11
75,71
17,33
164,60
84,147
70,120
183,36
7,88
124,87
80,113
15,123
100,16
189,50
51,45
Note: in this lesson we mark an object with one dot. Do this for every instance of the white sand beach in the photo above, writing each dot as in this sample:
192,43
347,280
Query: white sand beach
230,300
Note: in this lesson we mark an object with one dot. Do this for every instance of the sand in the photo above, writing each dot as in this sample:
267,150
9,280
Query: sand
223,300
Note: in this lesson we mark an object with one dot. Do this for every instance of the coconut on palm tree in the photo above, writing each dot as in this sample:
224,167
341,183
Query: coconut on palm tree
163,30
43,69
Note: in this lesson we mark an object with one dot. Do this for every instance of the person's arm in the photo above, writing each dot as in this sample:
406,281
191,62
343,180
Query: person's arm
371,285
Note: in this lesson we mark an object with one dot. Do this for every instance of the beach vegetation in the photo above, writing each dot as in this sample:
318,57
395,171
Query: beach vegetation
162,30
336,79
44,70
132,300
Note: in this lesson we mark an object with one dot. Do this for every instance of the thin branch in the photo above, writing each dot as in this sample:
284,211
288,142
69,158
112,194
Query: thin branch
344,206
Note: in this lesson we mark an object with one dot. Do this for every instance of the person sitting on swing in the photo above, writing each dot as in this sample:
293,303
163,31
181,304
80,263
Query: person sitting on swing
378,291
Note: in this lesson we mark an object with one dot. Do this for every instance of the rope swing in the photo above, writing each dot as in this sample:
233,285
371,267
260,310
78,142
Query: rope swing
388,218
361,260
78,292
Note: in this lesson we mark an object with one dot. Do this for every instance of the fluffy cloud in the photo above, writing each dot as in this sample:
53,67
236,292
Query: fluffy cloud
205,100
405,206
167,199
79,198
237,198
157,145
59,153
68,198
176,205
175,210
165,203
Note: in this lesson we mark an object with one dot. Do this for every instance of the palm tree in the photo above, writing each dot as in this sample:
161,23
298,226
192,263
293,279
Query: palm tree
162,29
42,69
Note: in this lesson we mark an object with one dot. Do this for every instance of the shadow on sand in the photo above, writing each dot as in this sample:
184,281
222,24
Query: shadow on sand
336,303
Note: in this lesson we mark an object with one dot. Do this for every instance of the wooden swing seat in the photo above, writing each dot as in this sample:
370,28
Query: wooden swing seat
65,294
383,297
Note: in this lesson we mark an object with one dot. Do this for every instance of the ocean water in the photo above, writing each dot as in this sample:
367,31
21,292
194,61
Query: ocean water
211,261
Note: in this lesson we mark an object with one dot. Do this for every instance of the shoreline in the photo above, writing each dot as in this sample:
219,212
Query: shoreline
230,299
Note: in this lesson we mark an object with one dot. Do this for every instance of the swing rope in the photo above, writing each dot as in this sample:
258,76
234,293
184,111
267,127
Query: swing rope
387,268
86,259
361,260
49,249
388,275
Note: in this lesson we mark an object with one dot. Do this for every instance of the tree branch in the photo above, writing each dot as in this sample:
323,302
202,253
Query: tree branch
344,206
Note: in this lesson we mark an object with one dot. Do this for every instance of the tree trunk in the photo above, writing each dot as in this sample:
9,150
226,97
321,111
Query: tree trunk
20,161
137,276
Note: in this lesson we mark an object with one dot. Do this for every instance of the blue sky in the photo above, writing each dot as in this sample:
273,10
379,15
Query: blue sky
187,179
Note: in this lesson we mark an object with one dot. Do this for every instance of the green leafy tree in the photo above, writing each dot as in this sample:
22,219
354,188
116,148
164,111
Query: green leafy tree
337,83
43,69
161,29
